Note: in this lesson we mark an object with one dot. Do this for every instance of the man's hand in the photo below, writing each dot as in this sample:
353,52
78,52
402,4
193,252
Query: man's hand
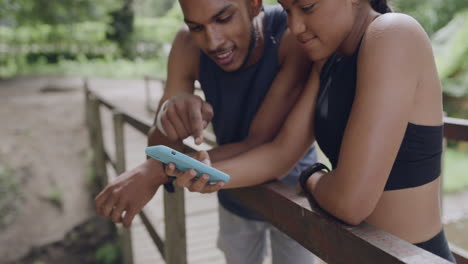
130,192
185,115
187,179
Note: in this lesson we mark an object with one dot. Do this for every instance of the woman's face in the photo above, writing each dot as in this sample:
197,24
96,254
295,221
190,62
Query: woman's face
320,26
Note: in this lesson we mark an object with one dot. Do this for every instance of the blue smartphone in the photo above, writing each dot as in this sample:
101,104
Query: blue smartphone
183,162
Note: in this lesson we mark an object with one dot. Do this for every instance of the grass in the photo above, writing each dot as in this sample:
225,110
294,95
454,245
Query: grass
108,253
107,67
455,170
9,195
55,196
99,68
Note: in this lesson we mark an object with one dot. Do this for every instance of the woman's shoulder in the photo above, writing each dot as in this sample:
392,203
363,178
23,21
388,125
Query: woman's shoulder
397,27
395,34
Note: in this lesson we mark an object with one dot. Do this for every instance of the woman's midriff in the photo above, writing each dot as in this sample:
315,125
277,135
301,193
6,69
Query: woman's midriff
411,214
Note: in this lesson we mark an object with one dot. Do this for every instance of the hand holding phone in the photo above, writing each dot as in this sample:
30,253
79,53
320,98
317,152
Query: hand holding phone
183,162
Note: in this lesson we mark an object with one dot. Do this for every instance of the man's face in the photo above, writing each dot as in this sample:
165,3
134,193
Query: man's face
222,29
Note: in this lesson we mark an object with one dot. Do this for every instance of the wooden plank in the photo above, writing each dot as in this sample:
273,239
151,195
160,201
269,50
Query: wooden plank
125,234
87,94
103,101
133,121
320,233
108,159
174,218
329,239
149,106
456,129
152,232
137,123
119,141
460,254
97,143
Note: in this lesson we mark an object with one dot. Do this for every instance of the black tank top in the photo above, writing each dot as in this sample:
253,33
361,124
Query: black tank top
237,96
419,158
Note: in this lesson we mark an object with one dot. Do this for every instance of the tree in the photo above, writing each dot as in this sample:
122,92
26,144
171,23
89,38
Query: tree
31,12
122,28
152,8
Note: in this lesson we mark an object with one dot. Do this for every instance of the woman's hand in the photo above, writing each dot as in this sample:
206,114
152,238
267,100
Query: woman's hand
188,180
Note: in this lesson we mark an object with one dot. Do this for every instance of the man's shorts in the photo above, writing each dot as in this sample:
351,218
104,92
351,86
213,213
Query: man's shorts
245,241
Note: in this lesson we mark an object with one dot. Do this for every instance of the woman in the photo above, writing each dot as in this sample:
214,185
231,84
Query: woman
374,104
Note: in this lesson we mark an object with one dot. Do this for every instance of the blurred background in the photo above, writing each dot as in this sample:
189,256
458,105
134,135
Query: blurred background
49,47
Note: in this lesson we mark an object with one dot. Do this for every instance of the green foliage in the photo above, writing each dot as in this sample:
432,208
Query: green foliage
432,14
55,196
451,53
455,170
30,12
9,195
153,8
162,29
158,30
103,67
109,253
88,32
270,2
121,26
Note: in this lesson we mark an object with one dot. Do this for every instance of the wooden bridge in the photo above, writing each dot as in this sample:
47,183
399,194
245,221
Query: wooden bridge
182,227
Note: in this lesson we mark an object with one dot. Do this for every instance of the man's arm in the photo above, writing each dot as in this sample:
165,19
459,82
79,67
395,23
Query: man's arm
133,189
270,160
281,97
181,75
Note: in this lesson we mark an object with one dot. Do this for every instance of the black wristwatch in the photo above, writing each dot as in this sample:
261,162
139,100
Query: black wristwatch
305,175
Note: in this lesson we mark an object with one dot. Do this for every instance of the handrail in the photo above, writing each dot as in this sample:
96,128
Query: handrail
456,129
325,236
173,249
280,204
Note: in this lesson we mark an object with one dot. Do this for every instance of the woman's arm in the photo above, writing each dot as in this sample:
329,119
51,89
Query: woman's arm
389,69
275,159
268,161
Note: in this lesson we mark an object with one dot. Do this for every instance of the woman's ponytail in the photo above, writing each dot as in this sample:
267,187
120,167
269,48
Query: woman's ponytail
380,6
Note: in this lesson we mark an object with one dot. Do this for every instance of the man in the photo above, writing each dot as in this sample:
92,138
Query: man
251,71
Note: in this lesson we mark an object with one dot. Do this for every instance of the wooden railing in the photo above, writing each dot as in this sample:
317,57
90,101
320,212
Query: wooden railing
295,215
74,48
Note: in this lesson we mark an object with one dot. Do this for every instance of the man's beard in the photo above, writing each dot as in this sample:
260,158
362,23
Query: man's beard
254,36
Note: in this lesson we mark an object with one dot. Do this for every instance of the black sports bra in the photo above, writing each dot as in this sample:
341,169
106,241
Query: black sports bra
419,158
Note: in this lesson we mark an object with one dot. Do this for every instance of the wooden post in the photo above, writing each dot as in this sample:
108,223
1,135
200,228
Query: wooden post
119,141
87,103
96,140
461,255
174,219
124,233
148,95
442,176
88,117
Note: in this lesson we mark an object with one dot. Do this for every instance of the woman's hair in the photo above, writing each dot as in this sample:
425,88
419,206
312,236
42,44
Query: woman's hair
380,6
